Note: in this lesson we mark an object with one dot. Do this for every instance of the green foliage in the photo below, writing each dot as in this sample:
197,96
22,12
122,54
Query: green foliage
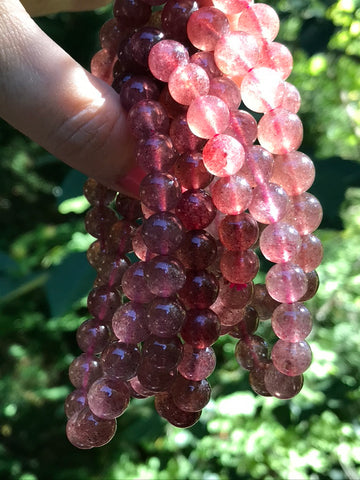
44,279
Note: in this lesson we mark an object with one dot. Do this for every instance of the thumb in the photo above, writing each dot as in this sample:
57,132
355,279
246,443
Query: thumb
53,100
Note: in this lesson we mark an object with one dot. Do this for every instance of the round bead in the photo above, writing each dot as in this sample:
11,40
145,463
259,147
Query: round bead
258,166
190,396
251,352
188,82
129,323
98,221
257,381
174,17
166,408
286,282
155,379
238,232
162,233
162,352
260,20
280,385
227,90
313,285
155,153
146,118
263,302
207,116
141,42
159,191
243,127
310,253
207,62
134,284
280,242
133,13
92,336
195,209
197,363
223,155
138,87
102,302
108,397
201,328
231,195
182,137
232,6
97,194
291,100
276,56
120,360
74,402
233,296
291,358
165,56
304,213
84,370
291,322
165,276
294,171
236,53
165,317
191,171
206,26
269,203
262,89
198,250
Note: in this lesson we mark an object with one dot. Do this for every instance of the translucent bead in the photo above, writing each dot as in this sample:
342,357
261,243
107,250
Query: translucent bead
165,317
223,155
156,153
166,408
291,358
207,116
127,207
175,16
95,254
304,213
165,57
286,282
146,118
159,191
280,131
227,90
236,53
190,396
162,352
291,100
313,285
280,242
92,336
183,138
291,322
102,303
231,195
233,296
200,289
207,62
120,360
155,379
173,109
118,241
258,165
257,381
111,270
137,390
98,221
252,352
195,209
97,194
74,402
188,82
84,370
294,171
232,6
101,65
201,328
162,233
260,20
276,56
108,397
191,172
206,26
85,430
239,267
129,323
138,88
263,302
134,13
141,42
269,203
134,284
238,232
139,247
197,363
110,36
165,276
262,89
310,253
198,250
248,324
280,385
242,126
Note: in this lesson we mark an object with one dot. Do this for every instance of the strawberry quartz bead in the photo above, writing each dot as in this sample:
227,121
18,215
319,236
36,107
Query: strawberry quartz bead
236,53
138,87
207,116
127,207
232,6
197,363
162,233
111,270
102,302
131,13
291,100
200,289
239,267
137,390
262,89
304,213
108,397
97,194
118,241
129,323
156,153
269,203
238,232
291,322
286,282
201,328
110,36
252,352
98,220
120,360
154,378
294,171
260,20
207,62
188,82
190,396
146,118
233,296
263,303
162,352
313,285
166,408
223,155
84,370
74,402
175,16
173,108
248,324
165,56
257,381
280,131
101,65
310,253
227,90
291,358
165,276
184,140
258,166
92,336
206,26
191,171
276,56
195,209
159,191
198,250
280,385
280,242
165,317
139,247
134,284
141,42
231,195
242,126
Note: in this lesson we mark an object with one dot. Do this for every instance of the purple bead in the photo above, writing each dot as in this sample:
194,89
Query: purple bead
162,352
129,323
291,358
138,87
141,43
166,408
155,153
280,385
162,233
92,336
120,360
134,284
84,370
74,402
160,191
190,396
201,328
252,352
108,397
146,118
197,363
200,289
165,317
165,276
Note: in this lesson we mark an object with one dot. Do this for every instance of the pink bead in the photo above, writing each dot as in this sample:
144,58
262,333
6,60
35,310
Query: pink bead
258,165
262,89
276,56
206,26
231,195
280,131
223,155
188,82
239,267
280,385
291,358
310,253
294,171
207,116
252,352
197,363
291,322
260,20
102,65
242,126
238,232
236,53
280,243
233,296
227,90
291,100
207,62
232,6
269,203
286,282
165,56
304,213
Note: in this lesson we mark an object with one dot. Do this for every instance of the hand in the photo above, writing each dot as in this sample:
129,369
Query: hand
44,7
50,98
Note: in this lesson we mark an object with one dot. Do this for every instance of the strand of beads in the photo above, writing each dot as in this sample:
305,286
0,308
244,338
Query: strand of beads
214,204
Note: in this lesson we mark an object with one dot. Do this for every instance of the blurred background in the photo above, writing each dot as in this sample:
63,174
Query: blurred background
44,278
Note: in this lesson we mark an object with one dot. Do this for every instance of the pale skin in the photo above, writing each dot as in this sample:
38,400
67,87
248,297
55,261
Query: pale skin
50,98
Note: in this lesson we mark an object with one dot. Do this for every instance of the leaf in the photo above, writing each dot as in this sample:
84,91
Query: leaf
72,186
7,264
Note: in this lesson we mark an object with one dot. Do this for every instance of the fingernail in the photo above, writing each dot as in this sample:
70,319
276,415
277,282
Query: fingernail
129,184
